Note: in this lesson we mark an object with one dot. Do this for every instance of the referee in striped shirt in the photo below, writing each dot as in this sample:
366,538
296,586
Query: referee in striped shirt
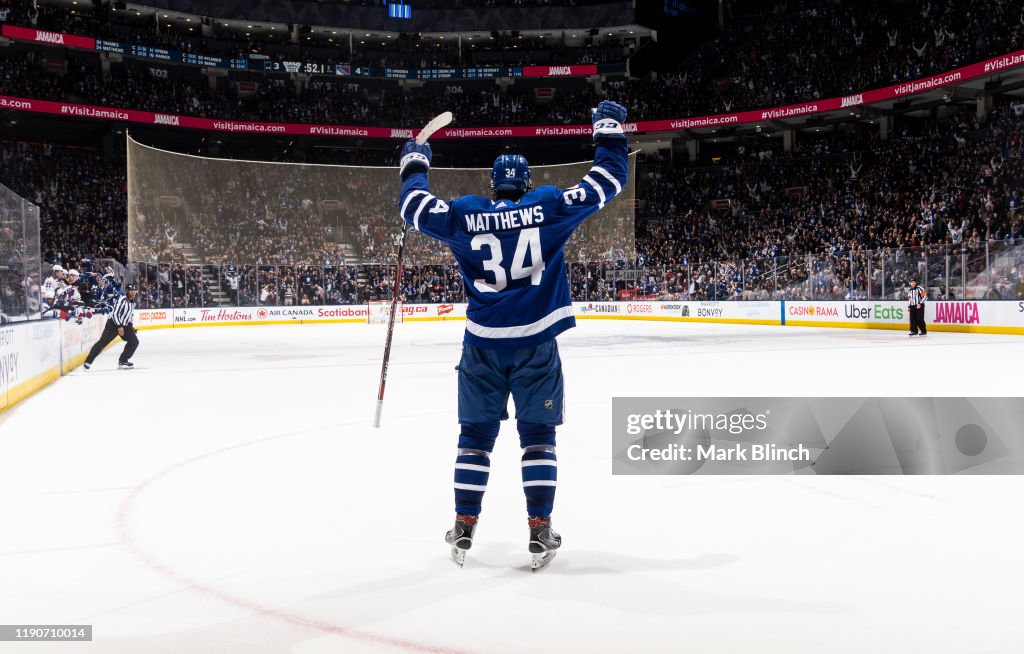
118,324
916,296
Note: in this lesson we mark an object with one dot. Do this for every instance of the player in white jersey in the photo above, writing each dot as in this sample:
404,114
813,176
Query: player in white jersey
51,286
68,303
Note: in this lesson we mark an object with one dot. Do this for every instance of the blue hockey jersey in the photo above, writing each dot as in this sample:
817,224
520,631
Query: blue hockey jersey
512,254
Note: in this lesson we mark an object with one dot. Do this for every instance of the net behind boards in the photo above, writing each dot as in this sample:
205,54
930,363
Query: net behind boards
247,212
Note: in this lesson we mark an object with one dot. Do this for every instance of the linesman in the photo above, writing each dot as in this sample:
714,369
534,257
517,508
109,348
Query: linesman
119,324
916,296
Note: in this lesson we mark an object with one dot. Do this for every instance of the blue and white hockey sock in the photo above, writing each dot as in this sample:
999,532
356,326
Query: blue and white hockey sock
540,467
473,466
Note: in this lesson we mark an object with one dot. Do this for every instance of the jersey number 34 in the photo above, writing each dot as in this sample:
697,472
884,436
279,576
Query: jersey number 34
529,241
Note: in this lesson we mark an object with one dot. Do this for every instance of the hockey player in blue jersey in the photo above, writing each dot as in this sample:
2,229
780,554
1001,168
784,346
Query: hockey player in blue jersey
104,292
511,252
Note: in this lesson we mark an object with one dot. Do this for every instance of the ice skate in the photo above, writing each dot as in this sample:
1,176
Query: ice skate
460,537
544,542
125,365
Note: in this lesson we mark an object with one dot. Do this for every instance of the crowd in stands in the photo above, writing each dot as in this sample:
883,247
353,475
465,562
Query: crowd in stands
844,217
80,195
768,55
849,216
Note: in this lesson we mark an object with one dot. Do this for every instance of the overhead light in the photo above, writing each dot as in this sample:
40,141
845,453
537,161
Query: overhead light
250,27
188,20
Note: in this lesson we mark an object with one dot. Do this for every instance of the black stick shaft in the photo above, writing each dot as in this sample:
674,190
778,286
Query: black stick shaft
391,325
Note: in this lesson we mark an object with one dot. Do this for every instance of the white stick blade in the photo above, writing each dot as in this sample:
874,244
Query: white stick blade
439,121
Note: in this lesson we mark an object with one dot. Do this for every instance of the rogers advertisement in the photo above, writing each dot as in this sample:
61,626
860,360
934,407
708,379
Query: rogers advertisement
980,69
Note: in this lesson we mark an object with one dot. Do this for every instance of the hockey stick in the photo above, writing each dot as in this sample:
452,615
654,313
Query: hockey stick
437,123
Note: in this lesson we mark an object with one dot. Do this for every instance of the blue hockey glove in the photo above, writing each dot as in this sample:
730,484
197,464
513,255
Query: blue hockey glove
415,159
608,118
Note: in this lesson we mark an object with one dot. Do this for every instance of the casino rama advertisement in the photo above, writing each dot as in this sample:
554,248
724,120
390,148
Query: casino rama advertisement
985,316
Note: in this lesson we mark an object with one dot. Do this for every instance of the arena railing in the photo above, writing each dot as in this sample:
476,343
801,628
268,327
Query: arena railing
985,270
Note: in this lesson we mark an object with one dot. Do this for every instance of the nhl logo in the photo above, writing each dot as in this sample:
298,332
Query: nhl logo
548,404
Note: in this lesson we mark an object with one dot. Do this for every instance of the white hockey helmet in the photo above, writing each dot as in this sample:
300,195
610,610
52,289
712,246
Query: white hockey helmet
72,273
57,268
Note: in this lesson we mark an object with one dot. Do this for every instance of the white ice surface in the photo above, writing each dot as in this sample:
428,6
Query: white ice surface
230,495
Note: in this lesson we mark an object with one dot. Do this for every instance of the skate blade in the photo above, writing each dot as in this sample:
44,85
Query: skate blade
459,556
541,561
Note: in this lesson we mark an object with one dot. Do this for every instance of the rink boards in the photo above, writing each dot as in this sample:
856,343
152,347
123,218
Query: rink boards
989,316
34,354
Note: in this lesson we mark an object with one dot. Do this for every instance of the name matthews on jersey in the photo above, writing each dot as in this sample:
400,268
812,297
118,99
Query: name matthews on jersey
503,220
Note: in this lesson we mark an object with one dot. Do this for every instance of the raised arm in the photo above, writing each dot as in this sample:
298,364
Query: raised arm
607,177
416,204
